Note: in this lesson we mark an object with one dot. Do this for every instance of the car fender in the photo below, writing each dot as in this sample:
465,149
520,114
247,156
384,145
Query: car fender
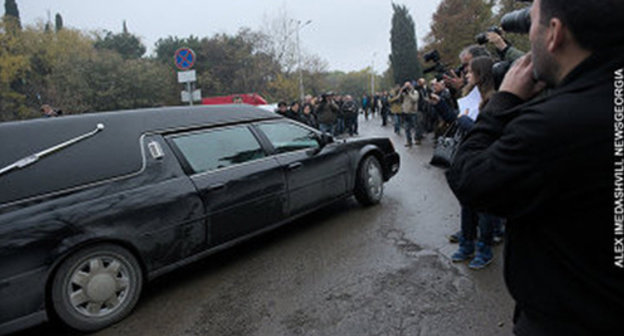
369,149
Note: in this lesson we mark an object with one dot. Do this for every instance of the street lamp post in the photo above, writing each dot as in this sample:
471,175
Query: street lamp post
299,27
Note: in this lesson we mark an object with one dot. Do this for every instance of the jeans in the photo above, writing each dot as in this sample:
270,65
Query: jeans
411,123
351,124
471,220
397,123
327,128
384,117
340,126
465,124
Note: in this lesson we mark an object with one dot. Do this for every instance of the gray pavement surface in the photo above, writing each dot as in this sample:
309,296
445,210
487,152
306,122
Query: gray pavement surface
343,270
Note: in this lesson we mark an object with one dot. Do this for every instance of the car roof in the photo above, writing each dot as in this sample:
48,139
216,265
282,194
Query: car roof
113,151
22,138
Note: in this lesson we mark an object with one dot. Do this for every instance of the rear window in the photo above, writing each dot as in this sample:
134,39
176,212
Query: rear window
113,152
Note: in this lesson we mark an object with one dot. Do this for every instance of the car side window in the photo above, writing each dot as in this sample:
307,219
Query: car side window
220,148
287,137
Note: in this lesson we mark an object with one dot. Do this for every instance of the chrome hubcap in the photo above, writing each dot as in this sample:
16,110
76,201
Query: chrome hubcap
99,286
375,181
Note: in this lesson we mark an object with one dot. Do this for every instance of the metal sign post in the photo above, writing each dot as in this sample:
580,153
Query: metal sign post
184,60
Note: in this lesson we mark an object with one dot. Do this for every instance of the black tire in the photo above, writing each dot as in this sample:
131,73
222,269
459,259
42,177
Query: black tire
96,287
369,182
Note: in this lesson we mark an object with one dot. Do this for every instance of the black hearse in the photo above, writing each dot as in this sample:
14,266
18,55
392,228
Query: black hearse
92,206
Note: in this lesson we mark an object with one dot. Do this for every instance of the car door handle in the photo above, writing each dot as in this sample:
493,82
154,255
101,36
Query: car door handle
294,166
217,186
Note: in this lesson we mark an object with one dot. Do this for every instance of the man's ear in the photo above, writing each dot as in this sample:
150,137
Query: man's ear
555,35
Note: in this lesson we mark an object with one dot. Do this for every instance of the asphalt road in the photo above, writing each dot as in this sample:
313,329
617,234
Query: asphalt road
344,270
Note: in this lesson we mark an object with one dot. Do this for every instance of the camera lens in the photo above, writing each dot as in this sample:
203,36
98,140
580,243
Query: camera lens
481,38
518,21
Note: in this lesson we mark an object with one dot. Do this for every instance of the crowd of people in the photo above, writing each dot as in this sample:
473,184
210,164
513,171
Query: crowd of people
329,112
415,109
535,161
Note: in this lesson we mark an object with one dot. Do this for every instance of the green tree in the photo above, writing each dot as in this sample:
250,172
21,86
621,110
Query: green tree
127,45
354,83
11,12
227,64
455,25
404,56
14,64
58,20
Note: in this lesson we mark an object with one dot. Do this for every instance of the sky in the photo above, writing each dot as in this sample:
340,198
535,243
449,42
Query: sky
349,35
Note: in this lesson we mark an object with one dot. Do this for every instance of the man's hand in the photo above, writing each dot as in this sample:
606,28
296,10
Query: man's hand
519,79
434,98
496,40
457,82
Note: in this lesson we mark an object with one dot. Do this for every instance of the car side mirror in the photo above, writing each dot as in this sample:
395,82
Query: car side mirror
324,139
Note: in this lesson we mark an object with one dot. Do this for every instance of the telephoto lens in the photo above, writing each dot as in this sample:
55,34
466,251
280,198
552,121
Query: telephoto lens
518,21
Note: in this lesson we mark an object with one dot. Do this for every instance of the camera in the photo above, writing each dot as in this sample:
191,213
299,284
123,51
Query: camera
432,56
482,38
441,69
518,21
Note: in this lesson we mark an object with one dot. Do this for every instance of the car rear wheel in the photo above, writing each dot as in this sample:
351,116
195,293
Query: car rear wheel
369,183
96,287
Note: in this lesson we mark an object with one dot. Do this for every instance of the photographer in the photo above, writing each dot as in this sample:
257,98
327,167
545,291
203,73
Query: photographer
549,168
409,106
349,110
506,51
456,82
395,108
327,113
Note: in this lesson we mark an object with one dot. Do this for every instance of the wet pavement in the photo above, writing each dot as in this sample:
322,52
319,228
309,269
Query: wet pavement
343,270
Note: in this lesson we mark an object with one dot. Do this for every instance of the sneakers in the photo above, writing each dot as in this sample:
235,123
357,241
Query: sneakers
483,258
409,144
418,142
465,252
454,238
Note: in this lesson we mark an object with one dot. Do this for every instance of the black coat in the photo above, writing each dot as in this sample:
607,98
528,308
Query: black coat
547,165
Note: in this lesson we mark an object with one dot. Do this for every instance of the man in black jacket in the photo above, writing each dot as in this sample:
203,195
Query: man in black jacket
547,164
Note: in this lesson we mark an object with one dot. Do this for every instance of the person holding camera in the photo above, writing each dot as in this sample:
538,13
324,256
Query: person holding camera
350,111
395,108
409,106
549,167
327,113
505,50
456,82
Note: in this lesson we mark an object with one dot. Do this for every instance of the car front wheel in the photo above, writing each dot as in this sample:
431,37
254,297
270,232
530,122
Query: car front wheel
369,183
96,287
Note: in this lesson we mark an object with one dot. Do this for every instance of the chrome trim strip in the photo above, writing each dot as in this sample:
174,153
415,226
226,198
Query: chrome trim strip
89,185
31,159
